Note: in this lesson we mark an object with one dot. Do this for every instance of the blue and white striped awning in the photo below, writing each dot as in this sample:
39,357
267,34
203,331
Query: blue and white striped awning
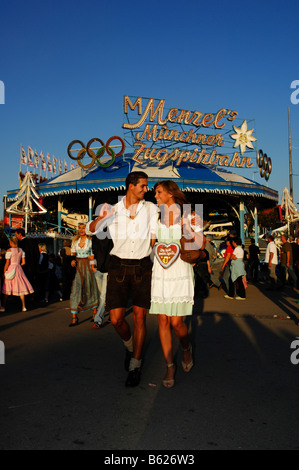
189,177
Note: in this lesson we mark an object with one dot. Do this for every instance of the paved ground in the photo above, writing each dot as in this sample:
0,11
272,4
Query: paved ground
63,388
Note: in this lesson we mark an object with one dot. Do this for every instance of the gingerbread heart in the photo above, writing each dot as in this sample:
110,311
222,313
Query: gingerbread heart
166,254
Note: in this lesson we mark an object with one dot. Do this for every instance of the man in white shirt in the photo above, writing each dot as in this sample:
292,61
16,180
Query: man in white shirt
272,260
132,225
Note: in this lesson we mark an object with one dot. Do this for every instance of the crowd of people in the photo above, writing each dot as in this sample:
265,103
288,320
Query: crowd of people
114,259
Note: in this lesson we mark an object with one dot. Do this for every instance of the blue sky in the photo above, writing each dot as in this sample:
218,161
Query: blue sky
67,64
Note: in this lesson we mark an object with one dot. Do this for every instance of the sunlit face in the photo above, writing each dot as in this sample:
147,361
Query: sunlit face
162,196
139,190
81,230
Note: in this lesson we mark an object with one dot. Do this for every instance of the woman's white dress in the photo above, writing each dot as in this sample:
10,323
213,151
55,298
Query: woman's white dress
172,288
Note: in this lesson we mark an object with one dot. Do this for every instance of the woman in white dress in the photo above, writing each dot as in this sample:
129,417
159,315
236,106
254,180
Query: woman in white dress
172,294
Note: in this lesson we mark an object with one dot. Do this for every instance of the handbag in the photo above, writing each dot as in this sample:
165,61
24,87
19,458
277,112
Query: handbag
101,249
188,255
9,275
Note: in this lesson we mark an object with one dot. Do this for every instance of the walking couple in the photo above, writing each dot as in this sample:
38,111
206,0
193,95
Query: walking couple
135,225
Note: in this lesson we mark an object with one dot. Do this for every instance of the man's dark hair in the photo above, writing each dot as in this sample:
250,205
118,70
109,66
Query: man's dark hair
134,177
237,240
20,231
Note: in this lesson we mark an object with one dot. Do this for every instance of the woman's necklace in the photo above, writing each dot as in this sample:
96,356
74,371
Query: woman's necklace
81,244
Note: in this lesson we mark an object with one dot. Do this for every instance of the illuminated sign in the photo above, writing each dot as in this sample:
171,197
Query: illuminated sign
167,136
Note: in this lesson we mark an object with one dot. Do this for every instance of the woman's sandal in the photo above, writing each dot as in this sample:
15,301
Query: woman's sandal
168,383
188,367
75,322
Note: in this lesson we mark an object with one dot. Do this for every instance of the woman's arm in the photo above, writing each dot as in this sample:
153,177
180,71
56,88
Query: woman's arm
153,240
6,265
227,258
189,233
92,263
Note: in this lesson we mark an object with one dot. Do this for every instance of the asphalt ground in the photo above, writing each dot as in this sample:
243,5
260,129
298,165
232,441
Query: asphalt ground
63,388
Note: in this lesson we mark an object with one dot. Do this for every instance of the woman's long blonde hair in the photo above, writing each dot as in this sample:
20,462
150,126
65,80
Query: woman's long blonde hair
14,239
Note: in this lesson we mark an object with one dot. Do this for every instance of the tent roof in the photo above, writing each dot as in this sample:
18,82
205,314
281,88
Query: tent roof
188,176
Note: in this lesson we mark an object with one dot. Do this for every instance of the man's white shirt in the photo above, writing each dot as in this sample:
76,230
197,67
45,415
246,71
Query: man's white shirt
131,237
238,252
271,248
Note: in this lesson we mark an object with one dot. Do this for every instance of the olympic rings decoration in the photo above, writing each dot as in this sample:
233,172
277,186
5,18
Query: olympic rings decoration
265,164
95,156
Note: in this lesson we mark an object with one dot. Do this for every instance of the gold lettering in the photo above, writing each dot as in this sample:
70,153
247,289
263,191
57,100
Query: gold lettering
162,155
206,120
174,154
174,115
215,161
149,134
248,164
166,134
138,151
219,139
168,156
170,113
149,154
132,106
182,139
210,161
198,116
184,115
223,160
201,137
233,115
193,156
153,113
205,160
211,139
235,159
159,158
202,154
220,115
181,156
163,130
173,134
191,136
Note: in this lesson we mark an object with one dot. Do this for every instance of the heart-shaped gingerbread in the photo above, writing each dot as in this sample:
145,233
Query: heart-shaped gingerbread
166,254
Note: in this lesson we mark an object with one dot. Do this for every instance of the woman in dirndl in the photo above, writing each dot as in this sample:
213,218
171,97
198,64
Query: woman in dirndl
172,292
84,294
15,280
